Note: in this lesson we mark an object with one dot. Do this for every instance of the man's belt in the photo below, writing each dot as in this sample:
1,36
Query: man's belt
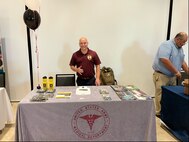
85,78
159,72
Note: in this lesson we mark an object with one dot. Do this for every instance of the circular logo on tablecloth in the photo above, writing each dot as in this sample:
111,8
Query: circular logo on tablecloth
90,122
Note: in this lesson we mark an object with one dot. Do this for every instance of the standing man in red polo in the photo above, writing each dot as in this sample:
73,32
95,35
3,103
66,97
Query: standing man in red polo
83,62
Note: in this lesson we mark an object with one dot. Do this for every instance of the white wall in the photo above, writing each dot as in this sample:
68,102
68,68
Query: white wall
125,33
180,21
13,31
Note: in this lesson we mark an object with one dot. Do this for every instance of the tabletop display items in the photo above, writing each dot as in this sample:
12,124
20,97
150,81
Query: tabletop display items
39,98
140,95
83,90
105,94
50,88
47,85
123,93
50,85
44,83
129,92
64,95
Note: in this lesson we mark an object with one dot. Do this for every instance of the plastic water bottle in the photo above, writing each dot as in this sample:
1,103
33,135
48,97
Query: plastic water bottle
44,83
51,83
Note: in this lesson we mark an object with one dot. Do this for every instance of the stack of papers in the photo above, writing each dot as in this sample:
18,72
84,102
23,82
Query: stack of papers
130,92
140,95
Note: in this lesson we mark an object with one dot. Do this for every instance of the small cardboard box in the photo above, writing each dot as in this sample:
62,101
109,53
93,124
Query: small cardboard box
186,86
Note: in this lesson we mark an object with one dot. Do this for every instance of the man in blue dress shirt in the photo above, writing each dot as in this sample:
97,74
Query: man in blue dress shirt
167,65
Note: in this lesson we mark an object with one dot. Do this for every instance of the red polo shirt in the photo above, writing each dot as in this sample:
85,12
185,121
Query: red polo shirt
86,61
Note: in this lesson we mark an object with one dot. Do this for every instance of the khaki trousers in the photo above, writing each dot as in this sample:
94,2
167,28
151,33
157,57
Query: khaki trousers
159,80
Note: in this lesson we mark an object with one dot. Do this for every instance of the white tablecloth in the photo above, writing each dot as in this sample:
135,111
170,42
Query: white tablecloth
85,117
6,111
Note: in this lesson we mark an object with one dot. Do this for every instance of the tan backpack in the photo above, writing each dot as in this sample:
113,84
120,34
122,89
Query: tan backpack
107,76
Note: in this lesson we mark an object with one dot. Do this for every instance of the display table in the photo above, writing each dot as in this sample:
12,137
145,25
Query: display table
85,117
175,111
6,111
